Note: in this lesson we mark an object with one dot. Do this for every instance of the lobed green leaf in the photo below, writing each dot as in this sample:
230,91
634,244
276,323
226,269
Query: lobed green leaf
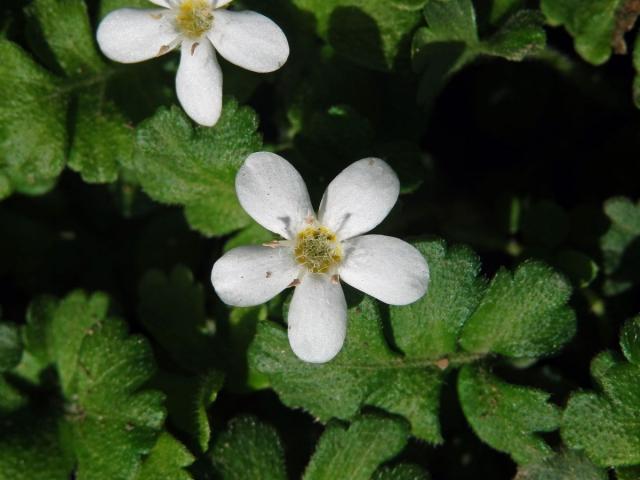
356,451
506,416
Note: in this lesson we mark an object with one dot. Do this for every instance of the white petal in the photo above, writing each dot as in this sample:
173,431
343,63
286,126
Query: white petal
248,276
273,193
386,268
162,3
359,198
249,40
317,319
199,82
128,35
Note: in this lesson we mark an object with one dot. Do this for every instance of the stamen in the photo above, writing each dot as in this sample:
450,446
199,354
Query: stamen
163,49
194,18
273,244
318,249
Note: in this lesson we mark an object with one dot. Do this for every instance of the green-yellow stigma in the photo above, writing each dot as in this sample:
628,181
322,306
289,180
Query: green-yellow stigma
194,18
318,249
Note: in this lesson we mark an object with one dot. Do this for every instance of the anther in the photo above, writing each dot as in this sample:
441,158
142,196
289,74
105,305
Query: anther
163,49
272,244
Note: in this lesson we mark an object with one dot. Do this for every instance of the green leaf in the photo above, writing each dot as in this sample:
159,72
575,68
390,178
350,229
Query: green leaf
524,314
356,451
167,460
50,116
10,346
103,140
591,23
36,332
621,245
71,323
172,309
566,466
32,123
29,448
605,424
520,36
365,372
371,33
452,20
630,340
249,448
402,471
450,41
112,421
195,167
241,332
65,26
506,416
188,399
430,327
11,398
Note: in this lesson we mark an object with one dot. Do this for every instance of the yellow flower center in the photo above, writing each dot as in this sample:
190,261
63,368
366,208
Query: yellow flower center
318,249
194,18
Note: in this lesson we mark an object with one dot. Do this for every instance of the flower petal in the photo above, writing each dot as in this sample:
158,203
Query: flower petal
273,193
249,40
248,276
162,3
317,319
199,82
129,35
359,198
386,268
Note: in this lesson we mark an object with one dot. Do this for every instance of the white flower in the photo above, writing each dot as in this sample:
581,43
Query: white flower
319,251
247,39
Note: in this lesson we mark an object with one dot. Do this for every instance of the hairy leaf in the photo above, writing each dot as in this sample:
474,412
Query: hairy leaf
621,245
196,167
10,346
188,399
366,372
249,449
371,33
29,447
356,451
605,425
524,314
172,309
506,416
167,460
591,23
50,116
113,421
565,466
430,327
402,471
451,41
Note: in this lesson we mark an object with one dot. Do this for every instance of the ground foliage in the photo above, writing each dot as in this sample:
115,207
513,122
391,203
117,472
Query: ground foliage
514,129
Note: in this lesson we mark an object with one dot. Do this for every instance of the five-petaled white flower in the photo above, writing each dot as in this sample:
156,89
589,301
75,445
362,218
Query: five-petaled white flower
319,250
247,39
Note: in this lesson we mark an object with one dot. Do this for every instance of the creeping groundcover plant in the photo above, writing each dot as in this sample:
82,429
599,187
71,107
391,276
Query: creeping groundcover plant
318,251
179,302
